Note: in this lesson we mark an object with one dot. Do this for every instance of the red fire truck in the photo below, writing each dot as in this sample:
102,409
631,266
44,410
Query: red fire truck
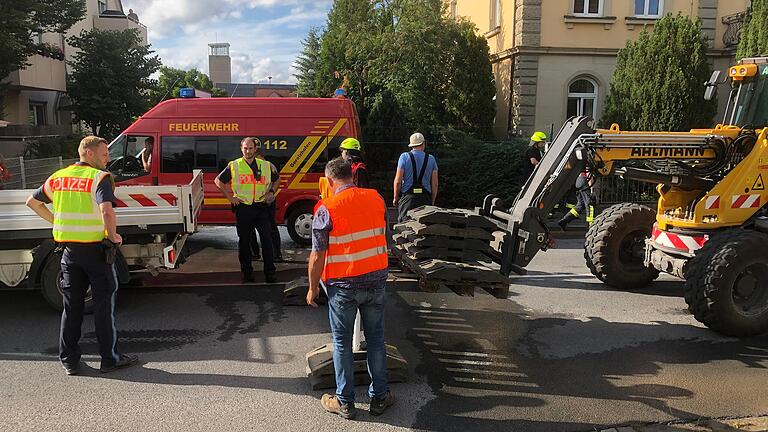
298,135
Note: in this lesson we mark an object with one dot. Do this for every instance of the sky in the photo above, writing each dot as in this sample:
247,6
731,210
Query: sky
265,35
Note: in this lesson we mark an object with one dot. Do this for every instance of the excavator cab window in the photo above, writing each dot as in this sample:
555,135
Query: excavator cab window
751,101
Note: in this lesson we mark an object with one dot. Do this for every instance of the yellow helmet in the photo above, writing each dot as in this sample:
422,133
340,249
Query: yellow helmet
350,144
538,136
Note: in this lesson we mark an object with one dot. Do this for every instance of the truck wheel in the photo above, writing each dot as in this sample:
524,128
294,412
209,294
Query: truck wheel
726,285
50,283
615,246
299,224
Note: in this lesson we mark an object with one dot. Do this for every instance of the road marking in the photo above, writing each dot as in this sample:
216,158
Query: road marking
434,317
446,330
496,382
470,354
434,323
486,372
437,311
477,363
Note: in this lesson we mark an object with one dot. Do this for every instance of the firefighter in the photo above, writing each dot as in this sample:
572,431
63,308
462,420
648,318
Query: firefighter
351,152
534,153
349,253
246,183
416,177
585,201
84,228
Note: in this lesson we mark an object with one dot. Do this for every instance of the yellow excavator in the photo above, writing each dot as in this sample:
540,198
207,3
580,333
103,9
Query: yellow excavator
710,226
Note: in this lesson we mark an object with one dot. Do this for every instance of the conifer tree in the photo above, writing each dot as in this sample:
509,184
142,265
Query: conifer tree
658,81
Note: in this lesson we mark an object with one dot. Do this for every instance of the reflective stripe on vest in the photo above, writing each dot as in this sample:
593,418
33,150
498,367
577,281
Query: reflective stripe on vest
76,215
244,184
356,243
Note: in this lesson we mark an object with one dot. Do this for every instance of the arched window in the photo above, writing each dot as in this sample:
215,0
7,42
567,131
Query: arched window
582,98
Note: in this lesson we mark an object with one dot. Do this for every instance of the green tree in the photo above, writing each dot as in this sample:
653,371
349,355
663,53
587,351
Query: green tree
110,80
754,35
438,68
306,65
172,80
20,19
657,84
407,66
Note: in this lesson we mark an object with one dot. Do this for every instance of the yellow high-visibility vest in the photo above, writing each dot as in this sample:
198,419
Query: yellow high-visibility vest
76,215
325,188
244,184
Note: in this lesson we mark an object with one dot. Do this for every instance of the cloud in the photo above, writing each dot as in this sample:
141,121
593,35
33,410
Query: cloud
253,59
164,18
265,35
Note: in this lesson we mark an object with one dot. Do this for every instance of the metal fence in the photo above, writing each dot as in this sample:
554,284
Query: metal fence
614,190
31,173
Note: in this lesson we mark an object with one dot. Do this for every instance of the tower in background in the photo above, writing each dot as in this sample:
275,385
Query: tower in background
219,63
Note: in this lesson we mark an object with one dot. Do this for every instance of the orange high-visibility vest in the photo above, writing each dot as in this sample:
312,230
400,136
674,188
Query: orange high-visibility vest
357,243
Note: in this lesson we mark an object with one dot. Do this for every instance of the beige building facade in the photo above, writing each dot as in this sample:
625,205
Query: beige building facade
33,106
555,58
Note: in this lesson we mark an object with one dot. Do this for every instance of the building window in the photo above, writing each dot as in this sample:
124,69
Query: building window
495,14
588,7
582,98
649,8
102,6
37,114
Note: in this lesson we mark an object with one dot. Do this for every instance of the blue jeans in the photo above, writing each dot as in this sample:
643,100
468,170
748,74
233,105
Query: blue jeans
343,304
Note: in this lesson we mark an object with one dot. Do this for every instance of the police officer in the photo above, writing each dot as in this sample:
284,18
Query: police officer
82,196
246,182
274,232
416,177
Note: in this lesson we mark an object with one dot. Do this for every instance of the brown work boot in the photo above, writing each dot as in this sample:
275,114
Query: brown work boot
333,405
379,405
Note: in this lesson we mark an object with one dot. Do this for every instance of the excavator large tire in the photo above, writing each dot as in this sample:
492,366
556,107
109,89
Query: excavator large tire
726,285
615,246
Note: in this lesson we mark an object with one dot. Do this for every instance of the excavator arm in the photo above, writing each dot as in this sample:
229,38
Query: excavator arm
689,161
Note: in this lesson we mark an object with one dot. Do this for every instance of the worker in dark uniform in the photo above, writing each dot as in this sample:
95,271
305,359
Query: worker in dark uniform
416,177
534,153
84,225
246,182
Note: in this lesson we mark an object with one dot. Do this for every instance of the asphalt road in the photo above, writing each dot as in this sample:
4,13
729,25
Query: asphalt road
562,353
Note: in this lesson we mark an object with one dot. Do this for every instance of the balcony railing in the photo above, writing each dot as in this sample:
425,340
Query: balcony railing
735,24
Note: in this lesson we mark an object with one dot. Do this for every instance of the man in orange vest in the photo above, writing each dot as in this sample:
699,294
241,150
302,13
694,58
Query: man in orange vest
349,253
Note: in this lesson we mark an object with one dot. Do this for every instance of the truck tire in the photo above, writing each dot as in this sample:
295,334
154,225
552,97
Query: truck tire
614,247
299,224
50,284
726,285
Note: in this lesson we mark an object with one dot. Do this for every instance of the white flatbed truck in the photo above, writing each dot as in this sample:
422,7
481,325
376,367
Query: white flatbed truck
154,221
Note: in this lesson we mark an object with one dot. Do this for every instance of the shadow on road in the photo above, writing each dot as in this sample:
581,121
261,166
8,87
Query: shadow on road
477,361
